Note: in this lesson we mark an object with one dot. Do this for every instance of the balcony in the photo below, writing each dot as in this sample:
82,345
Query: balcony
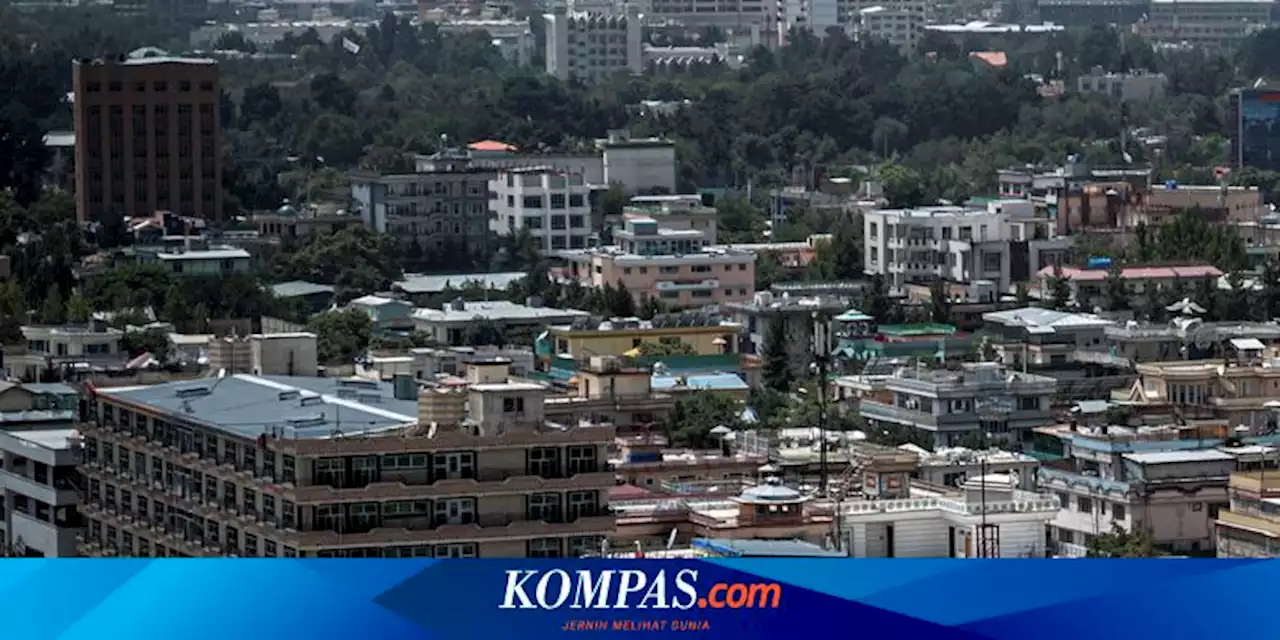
675,285
58,496
1024,502
488,482
901,415
1068,550
510,526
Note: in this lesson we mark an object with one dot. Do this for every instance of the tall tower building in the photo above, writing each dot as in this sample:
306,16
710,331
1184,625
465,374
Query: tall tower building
147,136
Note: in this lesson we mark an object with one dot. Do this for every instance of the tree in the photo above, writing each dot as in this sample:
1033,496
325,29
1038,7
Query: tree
341,335
154,341
482,333
13,312
697,413
666,349
1115,289
54,312
903,186
777,360
876,301
1123,544
940,301
1058,287
78,309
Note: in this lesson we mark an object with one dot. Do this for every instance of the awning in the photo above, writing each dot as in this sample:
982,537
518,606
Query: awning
1248,344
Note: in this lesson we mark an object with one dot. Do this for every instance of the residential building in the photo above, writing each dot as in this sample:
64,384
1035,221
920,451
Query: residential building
592,46
1185,339
38,492
794,316
554,207
1088,286
814,16
1166,480
290,223
147,136
181,470
313,297
450,324
676,267
682,211
645,460
759,19
616,391
443,204
1215,25
953,466
1134,86
223,261
901,26
1240,392
641,165
1040,336
1250,528
1003,242
983,400
65,351
37,406
385,312
699,333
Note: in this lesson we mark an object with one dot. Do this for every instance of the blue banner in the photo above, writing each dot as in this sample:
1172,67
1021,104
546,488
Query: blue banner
715,598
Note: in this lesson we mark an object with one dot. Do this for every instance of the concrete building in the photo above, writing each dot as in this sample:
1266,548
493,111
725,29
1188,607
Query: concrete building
953,466
1088,286
1240,392
758,21
593,46
1218,25
65,351
794,316
1041,336
248,466
450,324
1134,86
147,136
983,400
701,334
443,204
674,211
513,39
1083,13
1003,242
553,206
1164,480
899,25
220,261
1250,528
677,267
37,406
39,493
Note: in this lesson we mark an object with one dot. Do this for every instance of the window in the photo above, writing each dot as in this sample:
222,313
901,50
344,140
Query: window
544,462
364,516
455,511
328,517
229,496
582,545
454,466
582,459
1117,512
288,473
250,544
288,514
532,202
268,508
1084,505
544,548
576,200
544,506
269,548
405,508
457,550
557,201
404,461
250,502
330,471
513,405
364,470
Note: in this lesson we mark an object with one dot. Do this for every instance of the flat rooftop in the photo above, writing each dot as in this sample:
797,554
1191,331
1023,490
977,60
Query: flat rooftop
500,310
1170,457
415,283
52,439
247,406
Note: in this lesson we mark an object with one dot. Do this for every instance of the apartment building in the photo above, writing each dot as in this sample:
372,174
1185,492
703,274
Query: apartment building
554,207
1250,528
678,211
1041,336
593,46
40,514
677,267
279,466
794,316
1207,24
215,261
147,136
1004,242
64,351
983,399
759,18
443,204
1168,481
899,25
1133,86
1083,13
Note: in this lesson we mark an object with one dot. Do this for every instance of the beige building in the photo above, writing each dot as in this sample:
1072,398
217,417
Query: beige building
1250,528
1238,392
250,466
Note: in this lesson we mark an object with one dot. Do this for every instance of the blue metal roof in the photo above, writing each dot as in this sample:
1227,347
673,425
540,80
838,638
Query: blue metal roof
705,382
294,407
765,548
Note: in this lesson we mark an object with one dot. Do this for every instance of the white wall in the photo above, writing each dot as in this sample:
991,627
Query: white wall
41,536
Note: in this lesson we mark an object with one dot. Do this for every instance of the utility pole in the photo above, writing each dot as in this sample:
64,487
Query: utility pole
822,362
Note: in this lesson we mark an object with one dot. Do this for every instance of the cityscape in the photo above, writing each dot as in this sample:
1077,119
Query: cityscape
652,279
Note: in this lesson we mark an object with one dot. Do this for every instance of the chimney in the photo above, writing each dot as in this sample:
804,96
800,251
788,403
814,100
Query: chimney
404,387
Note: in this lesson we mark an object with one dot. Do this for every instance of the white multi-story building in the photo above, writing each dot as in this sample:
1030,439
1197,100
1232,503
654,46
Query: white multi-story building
1135,86
592,47
40,515
1209,24
65,350
553,206
899,25
959,244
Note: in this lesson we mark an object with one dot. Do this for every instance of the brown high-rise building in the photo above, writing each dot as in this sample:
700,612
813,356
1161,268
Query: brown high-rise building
147,136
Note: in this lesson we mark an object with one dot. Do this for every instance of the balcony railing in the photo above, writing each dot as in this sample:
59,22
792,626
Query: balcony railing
1056,478
1068,550
1027,504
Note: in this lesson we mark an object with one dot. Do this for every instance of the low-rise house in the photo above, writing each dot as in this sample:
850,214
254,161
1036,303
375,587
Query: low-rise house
65,351
450,324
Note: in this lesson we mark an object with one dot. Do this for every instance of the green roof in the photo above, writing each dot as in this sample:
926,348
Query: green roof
908,330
